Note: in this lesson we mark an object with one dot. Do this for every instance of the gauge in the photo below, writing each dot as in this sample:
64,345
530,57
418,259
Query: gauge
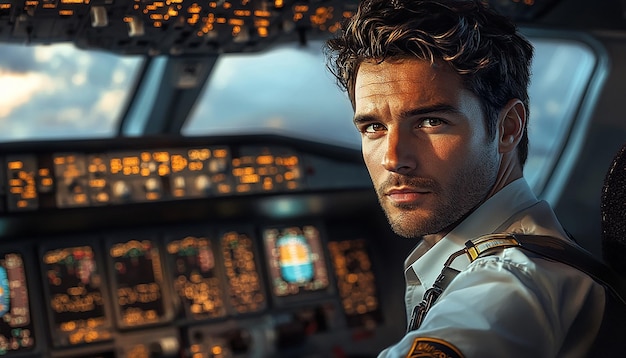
355,280
196,279
74,285
138,283
245,291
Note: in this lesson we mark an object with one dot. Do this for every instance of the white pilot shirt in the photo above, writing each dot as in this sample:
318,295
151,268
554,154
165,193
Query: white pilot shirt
511,304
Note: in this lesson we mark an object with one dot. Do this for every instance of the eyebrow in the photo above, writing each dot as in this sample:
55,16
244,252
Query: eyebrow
436,108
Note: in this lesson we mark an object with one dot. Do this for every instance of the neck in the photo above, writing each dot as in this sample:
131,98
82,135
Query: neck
509,171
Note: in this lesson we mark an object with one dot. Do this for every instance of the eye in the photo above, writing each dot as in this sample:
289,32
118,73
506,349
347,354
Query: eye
372,128
430,123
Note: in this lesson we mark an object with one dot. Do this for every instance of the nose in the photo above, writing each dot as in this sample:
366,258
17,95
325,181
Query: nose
399,153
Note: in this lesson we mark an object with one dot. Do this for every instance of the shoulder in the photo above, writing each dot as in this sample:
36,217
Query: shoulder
517,270
518,302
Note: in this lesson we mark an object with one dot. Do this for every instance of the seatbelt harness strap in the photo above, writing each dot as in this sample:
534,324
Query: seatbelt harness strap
546,246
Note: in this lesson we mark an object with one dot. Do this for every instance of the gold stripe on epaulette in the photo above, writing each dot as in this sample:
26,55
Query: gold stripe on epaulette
478,246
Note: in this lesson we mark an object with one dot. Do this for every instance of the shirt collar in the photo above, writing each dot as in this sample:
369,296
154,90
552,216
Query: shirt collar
511,199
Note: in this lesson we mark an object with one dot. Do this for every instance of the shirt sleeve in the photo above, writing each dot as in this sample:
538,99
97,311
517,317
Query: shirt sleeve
509,305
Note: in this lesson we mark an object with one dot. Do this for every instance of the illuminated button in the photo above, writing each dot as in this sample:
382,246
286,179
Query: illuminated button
102,197
45,183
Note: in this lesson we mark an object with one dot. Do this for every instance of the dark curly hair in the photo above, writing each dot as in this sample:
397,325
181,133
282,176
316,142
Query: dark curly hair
483,47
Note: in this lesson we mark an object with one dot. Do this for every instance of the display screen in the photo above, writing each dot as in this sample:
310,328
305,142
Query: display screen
245,292
16,327
138,278
196,280
295,260
74,286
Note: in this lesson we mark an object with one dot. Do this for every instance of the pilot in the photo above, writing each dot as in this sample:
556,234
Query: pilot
439,92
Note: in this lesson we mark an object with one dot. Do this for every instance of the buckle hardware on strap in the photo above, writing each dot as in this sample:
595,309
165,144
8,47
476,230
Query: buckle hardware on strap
432,294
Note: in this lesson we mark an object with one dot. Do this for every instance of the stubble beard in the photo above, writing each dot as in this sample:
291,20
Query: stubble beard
468,189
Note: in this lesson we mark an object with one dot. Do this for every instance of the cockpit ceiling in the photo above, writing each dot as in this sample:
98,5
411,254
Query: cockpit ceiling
173,27
191,27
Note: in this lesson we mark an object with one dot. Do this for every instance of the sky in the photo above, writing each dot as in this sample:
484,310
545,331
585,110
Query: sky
57,91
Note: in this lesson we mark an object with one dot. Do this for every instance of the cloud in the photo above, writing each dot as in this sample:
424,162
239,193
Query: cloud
120,76
16,89
109,103
70,115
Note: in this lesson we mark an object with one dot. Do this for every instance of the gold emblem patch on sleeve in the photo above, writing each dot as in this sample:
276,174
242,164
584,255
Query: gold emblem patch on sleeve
424,347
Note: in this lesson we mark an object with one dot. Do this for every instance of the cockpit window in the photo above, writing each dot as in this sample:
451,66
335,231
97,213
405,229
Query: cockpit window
293,94
285,91
59,92
561,73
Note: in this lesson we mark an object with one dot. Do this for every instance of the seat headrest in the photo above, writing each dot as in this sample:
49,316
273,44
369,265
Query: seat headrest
613,210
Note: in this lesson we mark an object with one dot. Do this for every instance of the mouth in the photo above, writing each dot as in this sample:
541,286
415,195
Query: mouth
406,196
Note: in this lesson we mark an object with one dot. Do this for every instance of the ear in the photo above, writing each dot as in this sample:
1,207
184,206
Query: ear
511,125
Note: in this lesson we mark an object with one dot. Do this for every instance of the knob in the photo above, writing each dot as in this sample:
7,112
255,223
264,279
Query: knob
203,183
152,185
179,182
121,190
165,347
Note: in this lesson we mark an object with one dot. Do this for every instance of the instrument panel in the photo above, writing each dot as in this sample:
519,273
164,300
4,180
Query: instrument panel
186,282
70,180
189,250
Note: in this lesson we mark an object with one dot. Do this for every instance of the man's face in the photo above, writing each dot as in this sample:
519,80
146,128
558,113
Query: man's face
425,144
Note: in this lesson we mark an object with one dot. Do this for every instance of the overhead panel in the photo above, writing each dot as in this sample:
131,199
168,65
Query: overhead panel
172,27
